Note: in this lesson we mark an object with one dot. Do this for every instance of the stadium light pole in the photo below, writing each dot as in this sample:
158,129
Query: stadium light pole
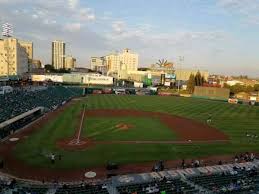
181,60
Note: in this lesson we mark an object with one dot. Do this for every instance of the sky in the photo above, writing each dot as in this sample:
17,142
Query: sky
221,36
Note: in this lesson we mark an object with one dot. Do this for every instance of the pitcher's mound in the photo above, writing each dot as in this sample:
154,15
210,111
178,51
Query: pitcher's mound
123,126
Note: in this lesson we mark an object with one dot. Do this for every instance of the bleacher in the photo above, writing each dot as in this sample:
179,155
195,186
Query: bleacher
236,181
16,187
32,189
176,186
239,178
20,101
84,189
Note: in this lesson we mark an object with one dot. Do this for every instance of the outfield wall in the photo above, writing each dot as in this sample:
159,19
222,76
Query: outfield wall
74,78
211,93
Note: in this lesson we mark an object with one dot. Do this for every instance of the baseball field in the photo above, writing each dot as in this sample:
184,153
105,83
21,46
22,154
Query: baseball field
136,129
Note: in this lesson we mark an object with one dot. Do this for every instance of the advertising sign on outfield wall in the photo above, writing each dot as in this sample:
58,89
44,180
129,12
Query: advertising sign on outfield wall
167,83
170,76
232,100
54,78
180,173
98,80
38,78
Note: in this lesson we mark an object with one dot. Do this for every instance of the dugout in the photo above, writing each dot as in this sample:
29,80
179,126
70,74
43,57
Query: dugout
10,126
211,93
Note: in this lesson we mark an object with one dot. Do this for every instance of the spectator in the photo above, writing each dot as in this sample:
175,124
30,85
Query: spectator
52,158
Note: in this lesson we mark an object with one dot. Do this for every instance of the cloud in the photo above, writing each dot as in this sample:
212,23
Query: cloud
248,10
72,27
35,16
11,2
73,4
89,32
118,27
86,14
148,34
49,22
107,15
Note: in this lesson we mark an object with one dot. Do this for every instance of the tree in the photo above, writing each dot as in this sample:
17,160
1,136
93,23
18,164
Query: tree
256,87
226,86
191,84
237,88
202,80
62,70
198,79
162,63
49,68
249,89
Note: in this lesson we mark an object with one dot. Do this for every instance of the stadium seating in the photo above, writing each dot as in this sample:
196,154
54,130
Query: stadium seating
236,181
166,186
84,189
20,101
22,188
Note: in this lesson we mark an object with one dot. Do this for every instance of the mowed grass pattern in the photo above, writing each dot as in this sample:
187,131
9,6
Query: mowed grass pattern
234,120
141,129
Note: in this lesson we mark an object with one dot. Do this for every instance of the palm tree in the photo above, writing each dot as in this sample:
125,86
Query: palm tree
162,63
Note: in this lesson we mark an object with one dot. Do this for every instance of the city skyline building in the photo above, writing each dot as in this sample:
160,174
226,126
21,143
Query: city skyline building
13,57
70,62
29,50
58,54
115,62
122,61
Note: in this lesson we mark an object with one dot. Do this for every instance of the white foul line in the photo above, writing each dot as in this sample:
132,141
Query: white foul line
80,129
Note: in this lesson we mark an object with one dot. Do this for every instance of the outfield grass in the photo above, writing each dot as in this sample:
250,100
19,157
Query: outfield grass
234,120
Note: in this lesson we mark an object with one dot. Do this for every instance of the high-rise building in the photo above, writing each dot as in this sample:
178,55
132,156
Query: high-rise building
58,54
98,64
29,50
70,62
36,64
122,61
116,62
13,57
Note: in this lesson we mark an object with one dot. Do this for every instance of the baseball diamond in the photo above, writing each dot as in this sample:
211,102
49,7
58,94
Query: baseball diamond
131,131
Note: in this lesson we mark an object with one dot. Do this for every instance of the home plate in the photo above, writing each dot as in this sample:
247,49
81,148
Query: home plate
90,174
14,139
76,142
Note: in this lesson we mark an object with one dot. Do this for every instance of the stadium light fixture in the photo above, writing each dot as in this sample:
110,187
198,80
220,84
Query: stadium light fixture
7,30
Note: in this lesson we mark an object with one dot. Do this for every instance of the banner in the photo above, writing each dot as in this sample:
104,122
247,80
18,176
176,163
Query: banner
182,173
170,76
